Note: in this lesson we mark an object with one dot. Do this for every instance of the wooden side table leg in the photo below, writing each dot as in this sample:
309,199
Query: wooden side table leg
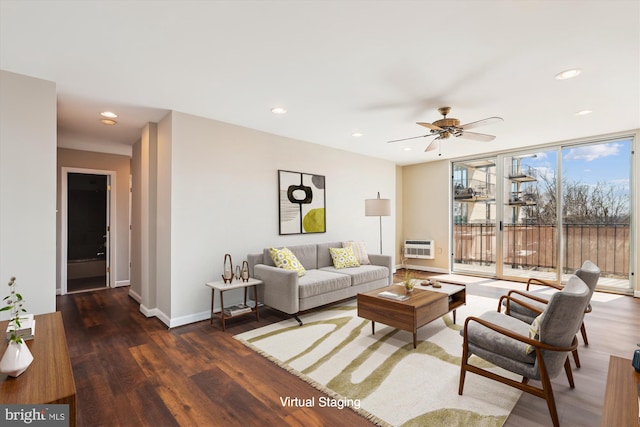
373,327
415,338
222,309
213,295
255,290
454,317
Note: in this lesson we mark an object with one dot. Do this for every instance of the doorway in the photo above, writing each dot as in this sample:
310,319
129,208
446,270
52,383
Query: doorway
87,206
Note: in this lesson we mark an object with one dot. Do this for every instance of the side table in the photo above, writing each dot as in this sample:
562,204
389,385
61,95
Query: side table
222,287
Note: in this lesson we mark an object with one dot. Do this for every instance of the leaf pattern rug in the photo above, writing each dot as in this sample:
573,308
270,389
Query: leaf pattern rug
382,376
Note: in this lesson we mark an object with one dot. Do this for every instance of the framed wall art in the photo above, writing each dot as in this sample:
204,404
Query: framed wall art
301,198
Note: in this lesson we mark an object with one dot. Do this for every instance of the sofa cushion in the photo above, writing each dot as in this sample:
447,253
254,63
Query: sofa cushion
343,258
360,250
317,282
324,256
284,258
362,274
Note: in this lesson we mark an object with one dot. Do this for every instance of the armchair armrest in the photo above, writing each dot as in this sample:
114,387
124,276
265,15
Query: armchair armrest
280,287
383,261
508,297
535,281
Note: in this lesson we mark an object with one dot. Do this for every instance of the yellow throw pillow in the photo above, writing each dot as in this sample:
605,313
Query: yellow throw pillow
534,332
344,257
284,258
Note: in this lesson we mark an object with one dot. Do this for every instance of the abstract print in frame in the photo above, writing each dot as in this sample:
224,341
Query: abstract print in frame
302,203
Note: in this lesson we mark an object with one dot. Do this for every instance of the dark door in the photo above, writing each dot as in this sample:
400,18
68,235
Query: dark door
87,231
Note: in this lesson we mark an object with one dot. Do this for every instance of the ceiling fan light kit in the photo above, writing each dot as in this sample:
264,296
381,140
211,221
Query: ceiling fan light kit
447,127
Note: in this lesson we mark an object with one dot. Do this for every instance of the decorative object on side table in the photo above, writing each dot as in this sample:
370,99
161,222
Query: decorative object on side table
245,271
636,363
227,276
17,357
238,274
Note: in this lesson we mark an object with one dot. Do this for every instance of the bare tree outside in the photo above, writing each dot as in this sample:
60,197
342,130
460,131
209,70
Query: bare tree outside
601,203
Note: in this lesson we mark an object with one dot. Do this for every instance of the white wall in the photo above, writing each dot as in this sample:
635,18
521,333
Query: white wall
28,189
218,193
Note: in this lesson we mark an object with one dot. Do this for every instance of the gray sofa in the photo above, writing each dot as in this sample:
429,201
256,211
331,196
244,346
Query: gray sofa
322,283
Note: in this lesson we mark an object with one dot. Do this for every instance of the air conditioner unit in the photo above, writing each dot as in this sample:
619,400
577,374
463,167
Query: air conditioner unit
423,249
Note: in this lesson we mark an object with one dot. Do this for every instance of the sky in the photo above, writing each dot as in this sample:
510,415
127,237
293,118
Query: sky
606,162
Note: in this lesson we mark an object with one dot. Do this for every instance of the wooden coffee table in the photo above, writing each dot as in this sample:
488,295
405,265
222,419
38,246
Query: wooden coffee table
422,306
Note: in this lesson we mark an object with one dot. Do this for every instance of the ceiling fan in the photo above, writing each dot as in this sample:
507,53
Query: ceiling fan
447,127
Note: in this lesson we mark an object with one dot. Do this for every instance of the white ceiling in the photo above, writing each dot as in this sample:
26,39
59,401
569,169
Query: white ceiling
338,67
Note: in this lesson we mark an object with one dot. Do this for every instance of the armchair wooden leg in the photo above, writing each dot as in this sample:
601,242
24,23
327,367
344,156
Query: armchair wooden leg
548,396
576,358
583,331
463,365
567,369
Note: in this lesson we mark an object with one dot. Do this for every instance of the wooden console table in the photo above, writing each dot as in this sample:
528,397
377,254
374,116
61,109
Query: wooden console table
621,396
49,378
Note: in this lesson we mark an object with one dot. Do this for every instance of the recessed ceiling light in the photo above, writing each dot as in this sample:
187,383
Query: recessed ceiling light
356,134
568,74
407,148
109,114
278,110
583,112
108,122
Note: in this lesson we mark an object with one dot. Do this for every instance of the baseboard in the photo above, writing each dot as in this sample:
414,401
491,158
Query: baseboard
636,293
429,269
148,312
133,294
191,318
58,292
120,283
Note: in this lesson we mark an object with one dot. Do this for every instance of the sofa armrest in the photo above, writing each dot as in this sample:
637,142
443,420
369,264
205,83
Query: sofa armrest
280,287
384,261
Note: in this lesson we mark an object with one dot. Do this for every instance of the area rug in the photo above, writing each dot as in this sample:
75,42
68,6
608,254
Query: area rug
382,376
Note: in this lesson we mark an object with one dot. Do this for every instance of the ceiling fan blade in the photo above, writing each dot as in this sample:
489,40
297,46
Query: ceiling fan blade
413,137
434,145
477,136
430,126
482,122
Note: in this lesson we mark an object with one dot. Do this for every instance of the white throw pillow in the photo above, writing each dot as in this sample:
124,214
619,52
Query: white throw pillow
359,250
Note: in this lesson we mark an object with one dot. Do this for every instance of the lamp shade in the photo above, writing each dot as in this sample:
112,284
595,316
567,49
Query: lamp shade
377,207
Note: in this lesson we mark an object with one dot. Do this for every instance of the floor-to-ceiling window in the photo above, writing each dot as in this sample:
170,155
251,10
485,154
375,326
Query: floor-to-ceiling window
529,231
474,216
596,209
550,210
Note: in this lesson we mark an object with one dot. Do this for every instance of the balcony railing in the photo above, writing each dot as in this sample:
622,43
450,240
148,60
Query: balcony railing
535,246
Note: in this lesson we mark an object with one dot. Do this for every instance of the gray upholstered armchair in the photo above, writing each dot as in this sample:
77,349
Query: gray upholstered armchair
589,273
506,342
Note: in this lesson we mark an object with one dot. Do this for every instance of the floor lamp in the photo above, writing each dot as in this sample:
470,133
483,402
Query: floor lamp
378,207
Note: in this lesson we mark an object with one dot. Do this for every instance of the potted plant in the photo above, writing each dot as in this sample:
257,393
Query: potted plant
407,280
17,357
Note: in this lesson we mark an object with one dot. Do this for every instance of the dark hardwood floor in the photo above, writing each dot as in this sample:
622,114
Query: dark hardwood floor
132,371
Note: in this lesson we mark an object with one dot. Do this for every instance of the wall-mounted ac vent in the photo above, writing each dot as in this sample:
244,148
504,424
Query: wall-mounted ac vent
423,249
